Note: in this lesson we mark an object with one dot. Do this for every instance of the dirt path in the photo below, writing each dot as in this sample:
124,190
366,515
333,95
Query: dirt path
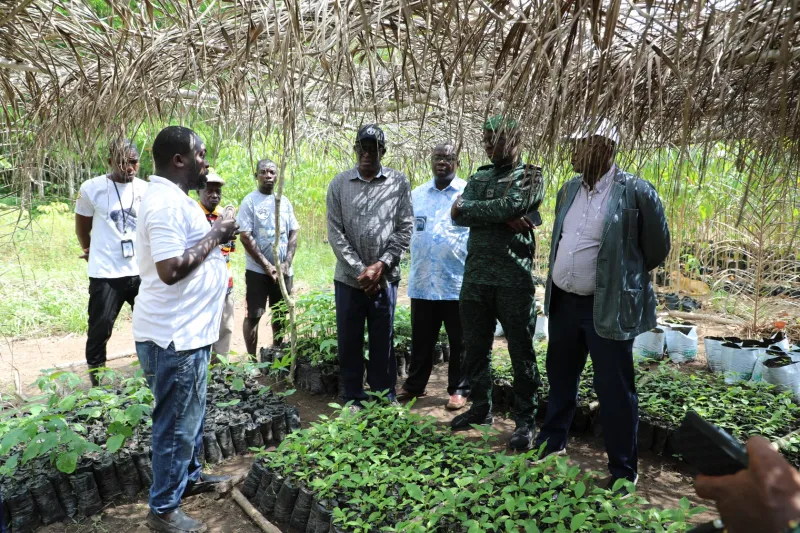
31,356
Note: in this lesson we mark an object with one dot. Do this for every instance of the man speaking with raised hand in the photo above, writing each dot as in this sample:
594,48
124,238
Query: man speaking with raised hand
177,319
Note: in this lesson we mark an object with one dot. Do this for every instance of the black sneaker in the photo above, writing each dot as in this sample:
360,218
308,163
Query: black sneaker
522,438
175,522
465,420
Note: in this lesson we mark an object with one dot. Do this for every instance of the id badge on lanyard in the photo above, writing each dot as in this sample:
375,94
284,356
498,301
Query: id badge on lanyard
127,248
127,243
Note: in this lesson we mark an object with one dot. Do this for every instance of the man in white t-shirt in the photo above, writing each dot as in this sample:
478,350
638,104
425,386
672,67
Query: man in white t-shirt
177,319
256,221
105,222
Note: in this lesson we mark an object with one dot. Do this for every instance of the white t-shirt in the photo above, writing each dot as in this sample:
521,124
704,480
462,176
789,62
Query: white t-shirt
257,215
189,312
114,220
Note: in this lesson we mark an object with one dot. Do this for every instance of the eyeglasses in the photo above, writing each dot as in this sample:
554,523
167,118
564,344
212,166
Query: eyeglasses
445,158
371,148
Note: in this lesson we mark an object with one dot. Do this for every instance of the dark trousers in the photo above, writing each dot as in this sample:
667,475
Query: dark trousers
353,307
106,297
481,307
572,337
427,317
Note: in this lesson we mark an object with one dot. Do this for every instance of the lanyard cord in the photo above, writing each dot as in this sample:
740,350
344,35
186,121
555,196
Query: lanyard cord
122,207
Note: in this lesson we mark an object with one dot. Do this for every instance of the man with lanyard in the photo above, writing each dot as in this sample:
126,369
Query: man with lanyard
609,232
257,225
177,319
105,223
500,205
370,220
438,252
210,197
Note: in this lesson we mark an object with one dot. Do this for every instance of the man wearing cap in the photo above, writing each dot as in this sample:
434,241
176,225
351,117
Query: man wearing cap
106,213
500,206
256,221
609,232
370,220
210,198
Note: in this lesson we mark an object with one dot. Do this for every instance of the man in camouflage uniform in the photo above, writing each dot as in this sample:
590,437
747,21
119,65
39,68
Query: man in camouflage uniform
499,205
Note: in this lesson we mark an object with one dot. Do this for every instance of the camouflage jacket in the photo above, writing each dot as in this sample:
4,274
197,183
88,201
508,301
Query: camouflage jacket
495,254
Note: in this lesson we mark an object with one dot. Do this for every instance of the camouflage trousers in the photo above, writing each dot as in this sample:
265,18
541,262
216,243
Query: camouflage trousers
481,305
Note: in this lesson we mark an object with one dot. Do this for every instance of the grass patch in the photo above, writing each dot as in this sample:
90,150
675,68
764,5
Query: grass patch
45,286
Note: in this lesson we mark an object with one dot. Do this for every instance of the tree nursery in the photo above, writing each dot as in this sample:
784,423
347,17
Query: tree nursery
254,249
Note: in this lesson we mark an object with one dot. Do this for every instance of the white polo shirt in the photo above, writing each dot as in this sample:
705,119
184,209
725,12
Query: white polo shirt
189,312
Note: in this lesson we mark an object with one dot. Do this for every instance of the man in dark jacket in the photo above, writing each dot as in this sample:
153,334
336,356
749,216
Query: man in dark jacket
609,232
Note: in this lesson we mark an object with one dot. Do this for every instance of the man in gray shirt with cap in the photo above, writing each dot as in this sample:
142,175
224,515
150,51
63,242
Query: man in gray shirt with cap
370,220
609,232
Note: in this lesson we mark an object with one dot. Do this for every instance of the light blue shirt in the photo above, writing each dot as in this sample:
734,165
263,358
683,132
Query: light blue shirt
257,215
438,247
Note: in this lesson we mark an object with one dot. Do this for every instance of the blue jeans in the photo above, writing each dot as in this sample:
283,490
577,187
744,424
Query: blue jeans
572,337
178,383
353,306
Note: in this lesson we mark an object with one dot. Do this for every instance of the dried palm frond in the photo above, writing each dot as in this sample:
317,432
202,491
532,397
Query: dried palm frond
668,71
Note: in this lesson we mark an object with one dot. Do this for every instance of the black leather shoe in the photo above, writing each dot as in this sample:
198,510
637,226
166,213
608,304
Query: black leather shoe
465,420
206,483
175,522
522,438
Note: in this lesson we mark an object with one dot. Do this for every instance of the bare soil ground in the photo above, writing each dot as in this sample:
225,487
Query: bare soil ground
663,482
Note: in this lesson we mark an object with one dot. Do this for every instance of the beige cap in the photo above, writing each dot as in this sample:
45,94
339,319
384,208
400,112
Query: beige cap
213,177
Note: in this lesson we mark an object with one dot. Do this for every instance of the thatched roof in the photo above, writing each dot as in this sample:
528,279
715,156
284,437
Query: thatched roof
668,71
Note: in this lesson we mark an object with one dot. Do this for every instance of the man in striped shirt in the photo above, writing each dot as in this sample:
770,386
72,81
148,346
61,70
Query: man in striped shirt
370,220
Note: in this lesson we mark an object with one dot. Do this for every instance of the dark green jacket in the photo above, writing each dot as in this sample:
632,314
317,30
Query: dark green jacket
495,254
635,241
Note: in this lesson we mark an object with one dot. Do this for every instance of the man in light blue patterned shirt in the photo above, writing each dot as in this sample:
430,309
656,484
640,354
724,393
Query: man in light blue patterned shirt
438,253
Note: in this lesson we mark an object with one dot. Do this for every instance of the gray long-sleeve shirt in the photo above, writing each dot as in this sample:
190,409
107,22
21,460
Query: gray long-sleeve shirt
369,222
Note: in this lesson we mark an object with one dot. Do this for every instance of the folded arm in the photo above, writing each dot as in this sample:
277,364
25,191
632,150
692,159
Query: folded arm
513,203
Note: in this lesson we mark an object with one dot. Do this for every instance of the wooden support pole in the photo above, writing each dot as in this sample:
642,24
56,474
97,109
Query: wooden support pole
83,363
711,318
265,525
